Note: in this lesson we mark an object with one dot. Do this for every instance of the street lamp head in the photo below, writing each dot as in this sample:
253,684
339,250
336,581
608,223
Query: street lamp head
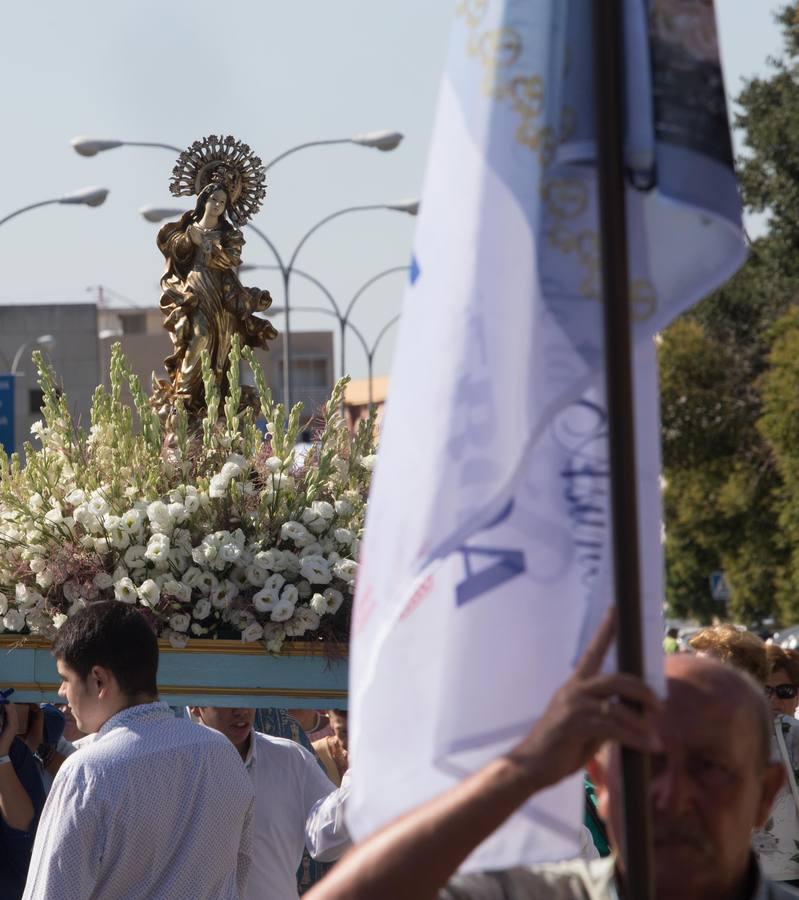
158,214
407,206
90,196
47,341
92,146
380,140
107,333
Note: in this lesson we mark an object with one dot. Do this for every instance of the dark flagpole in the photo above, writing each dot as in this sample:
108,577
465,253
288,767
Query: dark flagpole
609,111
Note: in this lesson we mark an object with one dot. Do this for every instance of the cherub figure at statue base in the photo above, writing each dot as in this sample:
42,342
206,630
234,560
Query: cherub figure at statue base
203,301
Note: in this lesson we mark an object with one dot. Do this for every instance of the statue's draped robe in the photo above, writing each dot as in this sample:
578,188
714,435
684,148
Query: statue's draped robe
204,306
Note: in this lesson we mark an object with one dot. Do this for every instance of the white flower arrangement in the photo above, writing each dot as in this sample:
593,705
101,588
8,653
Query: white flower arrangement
215,533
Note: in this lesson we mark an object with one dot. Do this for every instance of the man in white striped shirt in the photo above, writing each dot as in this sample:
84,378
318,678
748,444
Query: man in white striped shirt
156,808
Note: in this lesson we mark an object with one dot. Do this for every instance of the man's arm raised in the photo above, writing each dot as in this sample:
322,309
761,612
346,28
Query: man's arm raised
416,855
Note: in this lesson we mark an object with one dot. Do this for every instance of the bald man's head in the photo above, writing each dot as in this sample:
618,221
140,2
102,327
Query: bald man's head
712,685
711,785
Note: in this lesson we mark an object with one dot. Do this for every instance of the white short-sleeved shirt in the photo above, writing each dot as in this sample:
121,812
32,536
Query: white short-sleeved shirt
155,808
293,799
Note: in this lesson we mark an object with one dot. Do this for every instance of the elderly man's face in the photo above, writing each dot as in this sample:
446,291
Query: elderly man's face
709,788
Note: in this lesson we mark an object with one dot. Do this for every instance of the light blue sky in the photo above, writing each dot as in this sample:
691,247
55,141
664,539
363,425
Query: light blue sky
273,72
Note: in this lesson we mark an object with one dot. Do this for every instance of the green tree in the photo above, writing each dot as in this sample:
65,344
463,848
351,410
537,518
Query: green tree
730,421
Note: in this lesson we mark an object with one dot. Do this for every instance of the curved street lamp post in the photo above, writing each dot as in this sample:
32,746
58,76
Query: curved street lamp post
369,351
91,196
343,318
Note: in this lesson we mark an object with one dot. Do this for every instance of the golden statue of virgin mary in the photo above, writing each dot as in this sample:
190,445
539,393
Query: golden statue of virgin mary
203,301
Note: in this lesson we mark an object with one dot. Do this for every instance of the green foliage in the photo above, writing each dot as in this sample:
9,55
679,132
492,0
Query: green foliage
730,388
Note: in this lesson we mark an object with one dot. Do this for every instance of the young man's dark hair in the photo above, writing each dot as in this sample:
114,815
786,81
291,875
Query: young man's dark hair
115,636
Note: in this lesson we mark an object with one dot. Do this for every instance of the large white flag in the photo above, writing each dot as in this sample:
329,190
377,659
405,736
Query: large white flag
487,555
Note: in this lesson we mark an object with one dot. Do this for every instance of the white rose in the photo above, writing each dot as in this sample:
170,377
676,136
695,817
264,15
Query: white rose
346,569
180,622
134,557
206,582
273,560
343,535
253,632
37,564
131,520
274,464
318,516
100,546
53,517
35,502
289,594
304,589
172,588
177,639
265,600
218,486
275,582
97,506
58,620
297,533
316,570
368,462
305,619
343,508
158,514
332,602
202,608
222,595
283,611
230,552
177,512
44,579
157,548
149,592
191,577
255,575
13,620
125,591
76,497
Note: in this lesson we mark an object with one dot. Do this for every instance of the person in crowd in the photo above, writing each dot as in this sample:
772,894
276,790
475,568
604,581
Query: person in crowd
21,801
291,724
333,749
312,721
712,782
43,729
71,731
729,644
295,803
782,683
670,642
155,806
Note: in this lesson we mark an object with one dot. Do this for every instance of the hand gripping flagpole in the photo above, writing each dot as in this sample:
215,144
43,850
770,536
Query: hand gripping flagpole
609,88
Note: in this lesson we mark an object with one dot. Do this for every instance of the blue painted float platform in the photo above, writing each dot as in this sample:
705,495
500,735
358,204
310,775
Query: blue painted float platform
306,675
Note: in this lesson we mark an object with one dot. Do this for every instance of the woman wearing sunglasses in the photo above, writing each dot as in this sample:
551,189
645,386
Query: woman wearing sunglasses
782,684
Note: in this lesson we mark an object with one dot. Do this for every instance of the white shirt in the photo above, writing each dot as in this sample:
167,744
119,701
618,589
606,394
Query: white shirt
156,808
295,804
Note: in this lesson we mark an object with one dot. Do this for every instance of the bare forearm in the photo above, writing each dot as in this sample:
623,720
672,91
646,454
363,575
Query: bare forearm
416,855
15,804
